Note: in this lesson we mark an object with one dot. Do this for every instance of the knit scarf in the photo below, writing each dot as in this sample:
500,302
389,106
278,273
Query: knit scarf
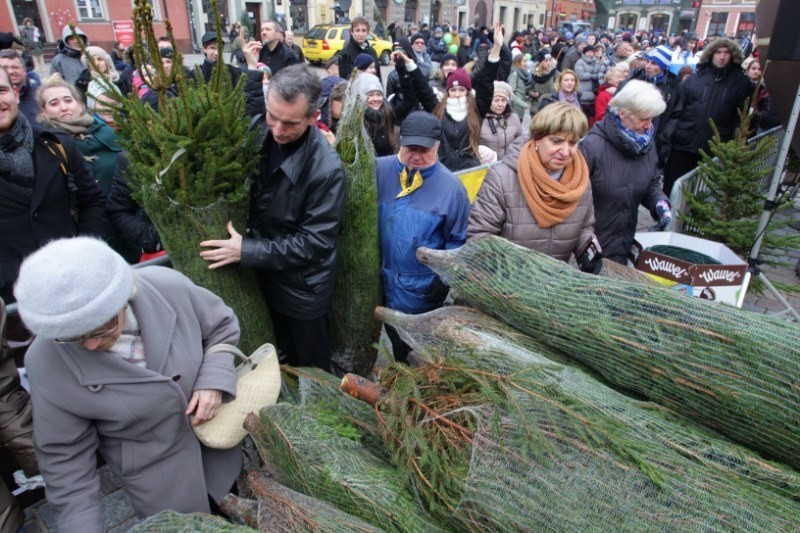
457,108
641,140
571,98
16,157
76,126
550,201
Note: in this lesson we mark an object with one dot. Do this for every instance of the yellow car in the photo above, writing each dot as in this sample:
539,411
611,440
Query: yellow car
324,41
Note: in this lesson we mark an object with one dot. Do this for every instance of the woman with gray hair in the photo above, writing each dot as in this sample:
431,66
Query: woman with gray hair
623,168
118,366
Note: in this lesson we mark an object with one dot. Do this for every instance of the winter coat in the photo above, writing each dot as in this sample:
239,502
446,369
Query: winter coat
500,209
253,85
28,105
521,83
604,95
67,61
31,39
709,93
96,401
433,216
347,58
569,58
282,56
623,177
399,107
127,217
455,152
295,216
542,83
498,132
29,224
436,48
590,73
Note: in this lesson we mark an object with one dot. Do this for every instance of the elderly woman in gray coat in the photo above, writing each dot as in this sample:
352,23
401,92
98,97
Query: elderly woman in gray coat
539,196
117,366
623,167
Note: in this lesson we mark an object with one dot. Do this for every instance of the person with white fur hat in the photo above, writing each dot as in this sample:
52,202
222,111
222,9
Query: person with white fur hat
118,367
501,126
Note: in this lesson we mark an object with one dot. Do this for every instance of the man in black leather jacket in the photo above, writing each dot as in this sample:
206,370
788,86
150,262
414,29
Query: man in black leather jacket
296,209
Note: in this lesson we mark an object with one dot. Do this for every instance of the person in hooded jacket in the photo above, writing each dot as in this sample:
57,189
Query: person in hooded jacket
67,61
521,81
501,126
716,91
623,168
380,117
543,79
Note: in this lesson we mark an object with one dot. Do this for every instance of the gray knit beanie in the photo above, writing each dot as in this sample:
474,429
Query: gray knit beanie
70,287
366,83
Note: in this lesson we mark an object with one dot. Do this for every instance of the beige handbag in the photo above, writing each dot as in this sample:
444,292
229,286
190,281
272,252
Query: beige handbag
257,385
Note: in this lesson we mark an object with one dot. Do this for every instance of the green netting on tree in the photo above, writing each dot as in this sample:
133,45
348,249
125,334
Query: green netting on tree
182,228
279,508
187,523
617,462
357,287
315,459
733,371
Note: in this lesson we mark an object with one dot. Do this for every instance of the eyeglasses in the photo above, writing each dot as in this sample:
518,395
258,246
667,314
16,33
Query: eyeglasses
107,330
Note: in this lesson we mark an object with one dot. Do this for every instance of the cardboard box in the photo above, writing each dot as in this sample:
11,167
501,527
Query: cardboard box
722,283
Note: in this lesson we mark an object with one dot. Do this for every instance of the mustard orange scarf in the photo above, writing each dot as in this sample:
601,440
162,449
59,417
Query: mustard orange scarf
551,201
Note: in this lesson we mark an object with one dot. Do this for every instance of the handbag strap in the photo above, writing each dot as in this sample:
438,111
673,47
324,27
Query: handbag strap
228,348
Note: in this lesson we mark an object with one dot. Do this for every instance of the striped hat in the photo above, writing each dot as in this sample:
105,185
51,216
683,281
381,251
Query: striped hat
662,55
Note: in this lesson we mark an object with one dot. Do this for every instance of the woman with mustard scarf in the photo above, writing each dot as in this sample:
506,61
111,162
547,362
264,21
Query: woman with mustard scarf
540,196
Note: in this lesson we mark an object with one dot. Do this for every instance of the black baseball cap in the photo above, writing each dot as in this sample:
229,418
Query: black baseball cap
420,129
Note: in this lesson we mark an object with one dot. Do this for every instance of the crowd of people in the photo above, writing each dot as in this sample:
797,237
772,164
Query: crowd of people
578,131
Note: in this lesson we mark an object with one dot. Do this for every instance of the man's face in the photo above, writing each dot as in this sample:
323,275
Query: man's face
624,50
15,70
289,37
652,69
166,63
722,57
210,50
287,121
418,156
9,103
418,45
71,41
268,33
360,33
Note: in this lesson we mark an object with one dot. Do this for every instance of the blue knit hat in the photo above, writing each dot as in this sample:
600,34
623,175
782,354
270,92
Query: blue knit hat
662,55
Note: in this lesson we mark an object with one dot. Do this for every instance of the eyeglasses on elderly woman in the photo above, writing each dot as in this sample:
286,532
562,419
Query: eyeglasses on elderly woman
104,330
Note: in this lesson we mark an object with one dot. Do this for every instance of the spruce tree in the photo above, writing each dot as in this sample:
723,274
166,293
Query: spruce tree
190,168
728,208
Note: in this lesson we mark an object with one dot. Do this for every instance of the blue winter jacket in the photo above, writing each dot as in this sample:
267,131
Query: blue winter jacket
433,216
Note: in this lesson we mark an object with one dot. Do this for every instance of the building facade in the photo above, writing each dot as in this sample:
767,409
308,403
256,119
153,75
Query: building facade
103,21
734,18
663,17
559,11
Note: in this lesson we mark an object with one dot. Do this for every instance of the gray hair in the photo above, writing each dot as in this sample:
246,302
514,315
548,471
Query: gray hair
639,98
295,81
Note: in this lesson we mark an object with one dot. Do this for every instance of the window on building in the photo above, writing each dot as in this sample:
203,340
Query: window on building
718,23
155,6
503,16
747,24
90,9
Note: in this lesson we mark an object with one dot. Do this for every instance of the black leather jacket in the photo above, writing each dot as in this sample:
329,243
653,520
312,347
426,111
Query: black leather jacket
295,216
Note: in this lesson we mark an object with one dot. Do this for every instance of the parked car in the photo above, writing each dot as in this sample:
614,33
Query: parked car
324,41
576,27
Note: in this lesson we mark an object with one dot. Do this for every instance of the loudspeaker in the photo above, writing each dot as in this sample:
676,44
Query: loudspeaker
784,44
